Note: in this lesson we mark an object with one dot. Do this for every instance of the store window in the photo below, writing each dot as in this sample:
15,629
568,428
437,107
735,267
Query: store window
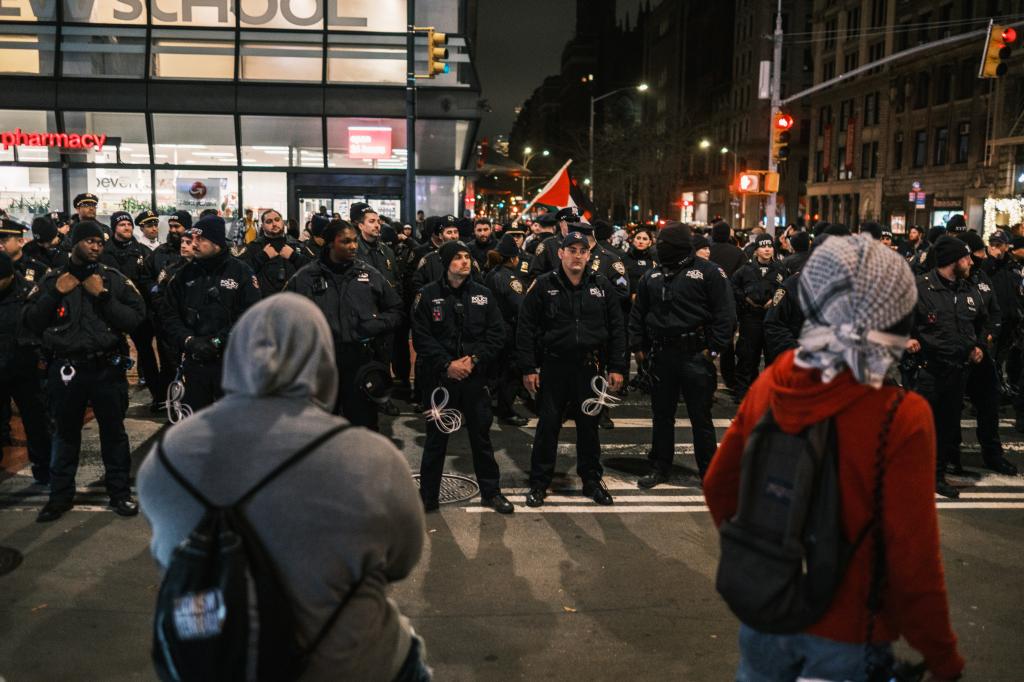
27,50
438,194
444,14
441,144
197,189
281,57
125,136
207,55
262,191
26,192
103,52
353,58
295,14
118,189
192,139
21,136
104,12
378,143
282,141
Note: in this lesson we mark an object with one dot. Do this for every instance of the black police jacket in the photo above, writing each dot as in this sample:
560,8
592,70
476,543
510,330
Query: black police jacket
639,263
755,285
50,257
358,301
1007,282
479,251
560,320
784,319
729,256
545,257
448,324
794,262
381,257
17,343
694,296
158,261
79,323
128,257
206,297
949,319
993,315
273,273
32,270
606,262
509,291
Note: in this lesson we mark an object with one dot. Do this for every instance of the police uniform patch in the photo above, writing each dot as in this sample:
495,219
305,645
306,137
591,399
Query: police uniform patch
479,299
255,282
416,301
777,298
540,249
516,286
423,261
161,277
524,266
618,267
984,287
30,275
695,274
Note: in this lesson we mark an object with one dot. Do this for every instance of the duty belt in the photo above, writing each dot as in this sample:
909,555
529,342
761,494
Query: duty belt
689,342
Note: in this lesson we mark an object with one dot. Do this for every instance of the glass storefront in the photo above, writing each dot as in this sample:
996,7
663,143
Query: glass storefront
289,103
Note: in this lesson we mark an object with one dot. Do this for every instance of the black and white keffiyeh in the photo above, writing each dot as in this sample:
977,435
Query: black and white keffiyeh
851,289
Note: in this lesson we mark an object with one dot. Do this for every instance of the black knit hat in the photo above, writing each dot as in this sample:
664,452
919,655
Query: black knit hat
973,240
86,229
449,250
602,230
956,223
212,227
949,250
318,225
183,218
507,246
720,233
44,229
118,216
699,242
800,242
674,243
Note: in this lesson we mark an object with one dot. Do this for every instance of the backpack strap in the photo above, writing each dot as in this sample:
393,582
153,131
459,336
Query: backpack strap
176,475
280,468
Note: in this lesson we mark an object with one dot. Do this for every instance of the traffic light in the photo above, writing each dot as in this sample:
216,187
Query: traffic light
758,182
781,127
437,53
997,50
749,182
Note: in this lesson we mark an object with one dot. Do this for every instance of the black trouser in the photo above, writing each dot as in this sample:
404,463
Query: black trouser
565,383
983,390
750,348
142,338
202,383
727,362
693,374
104,386
170,358
353,404
401,357
942,385
469,397
5,419
506,379
21,383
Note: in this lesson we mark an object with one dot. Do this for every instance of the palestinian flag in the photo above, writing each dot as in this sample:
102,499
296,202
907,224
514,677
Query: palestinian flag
562,191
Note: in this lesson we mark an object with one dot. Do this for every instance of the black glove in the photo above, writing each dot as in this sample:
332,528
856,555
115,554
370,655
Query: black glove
202,348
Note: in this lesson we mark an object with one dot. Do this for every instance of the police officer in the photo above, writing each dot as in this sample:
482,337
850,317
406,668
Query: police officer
458,333
85,205
545,257
754,286
430,268
159,265
946,339
606,263
483,241
508,289
12,242
311,247
518,234
362,309
682,317
19,362
570,330
273,255
202,303
543,227
82,313
43,247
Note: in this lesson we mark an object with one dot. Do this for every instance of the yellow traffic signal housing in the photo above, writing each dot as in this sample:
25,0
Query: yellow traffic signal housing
997,51
437,53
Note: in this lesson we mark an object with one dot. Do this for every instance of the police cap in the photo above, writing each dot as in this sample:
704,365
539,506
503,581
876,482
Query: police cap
85,199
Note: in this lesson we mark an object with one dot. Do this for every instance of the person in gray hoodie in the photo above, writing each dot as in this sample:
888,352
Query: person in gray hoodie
346,518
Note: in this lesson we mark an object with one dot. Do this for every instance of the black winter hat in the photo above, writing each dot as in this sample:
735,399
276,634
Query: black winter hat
956,223
872,228
318,224
357,210
800,242
949,250
602,230
449,250
507,246
674,243
936,233
183,218
973,240
212,227
699,242
118,216
720,233
86,229
44,229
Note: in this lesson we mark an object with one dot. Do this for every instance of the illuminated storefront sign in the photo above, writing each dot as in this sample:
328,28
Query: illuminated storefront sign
366,142
18,138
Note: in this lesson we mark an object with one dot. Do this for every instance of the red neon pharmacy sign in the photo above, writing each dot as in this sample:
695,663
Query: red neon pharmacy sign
18,138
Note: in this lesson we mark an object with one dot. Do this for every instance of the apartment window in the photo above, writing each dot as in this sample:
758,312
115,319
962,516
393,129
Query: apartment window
824,118
845,113
865,159
871,109
945,18
898,94
828,72
944,87
877,13
819,172
850,62
966,79
830,34
852,22
963,142
874,159
897,152
875,52
920,148
902,40
940,156
840,163
924,22
921,90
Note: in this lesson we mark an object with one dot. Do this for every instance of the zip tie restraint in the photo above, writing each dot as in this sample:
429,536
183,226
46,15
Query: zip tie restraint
446,420
177,410
593,406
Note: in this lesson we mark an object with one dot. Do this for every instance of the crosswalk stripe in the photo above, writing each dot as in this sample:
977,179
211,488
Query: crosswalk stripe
691,509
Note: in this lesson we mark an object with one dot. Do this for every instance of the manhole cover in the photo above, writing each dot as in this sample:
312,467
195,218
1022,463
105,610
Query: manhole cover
10,559
454,488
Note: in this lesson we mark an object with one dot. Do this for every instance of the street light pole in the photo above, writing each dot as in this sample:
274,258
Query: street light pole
776,90
594,100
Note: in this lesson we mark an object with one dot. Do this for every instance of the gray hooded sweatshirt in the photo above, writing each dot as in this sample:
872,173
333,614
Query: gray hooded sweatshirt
346,515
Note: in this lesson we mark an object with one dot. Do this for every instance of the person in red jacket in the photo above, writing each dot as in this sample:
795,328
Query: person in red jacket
857,295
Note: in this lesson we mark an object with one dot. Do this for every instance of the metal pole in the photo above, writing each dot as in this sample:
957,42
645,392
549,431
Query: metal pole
410,115
776,106
592,148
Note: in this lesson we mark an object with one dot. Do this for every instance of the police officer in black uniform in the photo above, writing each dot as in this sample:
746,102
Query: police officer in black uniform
82,313
85,206
458,333
430,268
12,242
202,303
44,245
518,235
682,317
754,286
946,339
545,224
160,264
545,257
362,309
273,255
508,289
19,362
311,247
570,330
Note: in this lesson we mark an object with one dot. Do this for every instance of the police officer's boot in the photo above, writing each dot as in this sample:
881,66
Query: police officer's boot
655,477
946,490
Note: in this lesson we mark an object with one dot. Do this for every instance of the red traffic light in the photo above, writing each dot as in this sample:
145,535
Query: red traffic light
783,121
1009,36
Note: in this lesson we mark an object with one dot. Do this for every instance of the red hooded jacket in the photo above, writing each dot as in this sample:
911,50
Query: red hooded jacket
914,601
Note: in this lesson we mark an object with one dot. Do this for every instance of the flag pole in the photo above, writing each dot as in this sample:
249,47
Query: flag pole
546,187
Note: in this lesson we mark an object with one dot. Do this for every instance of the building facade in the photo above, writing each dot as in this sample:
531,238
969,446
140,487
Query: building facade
291,104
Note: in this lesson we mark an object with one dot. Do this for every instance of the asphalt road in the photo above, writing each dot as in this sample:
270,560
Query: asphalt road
569,591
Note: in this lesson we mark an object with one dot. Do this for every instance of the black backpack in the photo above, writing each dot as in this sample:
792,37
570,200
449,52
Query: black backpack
223,613
784,552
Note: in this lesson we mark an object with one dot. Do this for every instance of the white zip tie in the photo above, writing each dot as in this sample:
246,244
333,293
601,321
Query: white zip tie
593,406
446,420
177,410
